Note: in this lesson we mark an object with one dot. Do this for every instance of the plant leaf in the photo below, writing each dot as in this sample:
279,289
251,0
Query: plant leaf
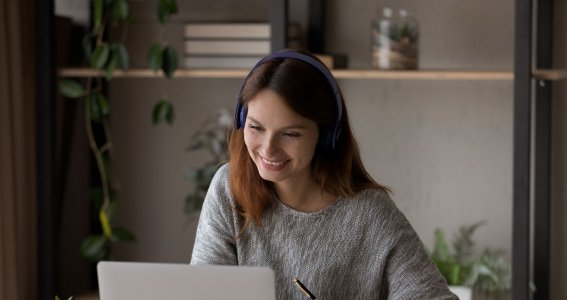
463,244
95,195
441,249
87,45
97,13
454,274
121,234
111,212
71,88
111,66
166,8
169,61
193,202
155,57
99,107
122,54
100,56
163,111
94,108
105,224
93,248
120,10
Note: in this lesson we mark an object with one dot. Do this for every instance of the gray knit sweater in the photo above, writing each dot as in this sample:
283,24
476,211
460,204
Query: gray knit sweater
357,248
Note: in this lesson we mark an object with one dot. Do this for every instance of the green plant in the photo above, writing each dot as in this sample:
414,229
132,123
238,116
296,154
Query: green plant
487,272
105,56
211,137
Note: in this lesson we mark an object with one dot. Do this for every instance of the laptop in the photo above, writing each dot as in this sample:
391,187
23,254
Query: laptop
142,280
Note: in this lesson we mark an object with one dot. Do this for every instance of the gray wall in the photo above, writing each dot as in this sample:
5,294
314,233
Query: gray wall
445,147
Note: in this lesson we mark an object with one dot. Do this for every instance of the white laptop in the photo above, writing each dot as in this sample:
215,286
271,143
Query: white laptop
141,281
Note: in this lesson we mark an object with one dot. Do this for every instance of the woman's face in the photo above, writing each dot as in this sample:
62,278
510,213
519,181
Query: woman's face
280,142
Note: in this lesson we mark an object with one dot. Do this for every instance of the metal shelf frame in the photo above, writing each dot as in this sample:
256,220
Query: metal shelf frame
530,278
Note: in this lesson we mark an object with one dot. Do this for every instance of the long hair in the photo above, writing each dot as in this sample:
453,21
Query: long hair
338,171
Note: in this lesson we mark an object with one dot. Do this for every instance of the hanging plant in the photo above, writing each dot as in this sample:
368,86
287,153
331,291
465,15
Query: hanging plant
107,56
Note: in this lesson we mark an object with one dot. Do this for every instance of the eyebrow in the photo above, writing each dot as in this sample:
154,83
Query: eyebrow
295,126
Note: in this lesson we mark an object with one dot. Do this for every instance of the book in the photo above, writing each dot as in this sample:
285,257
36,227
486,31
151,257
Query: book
233,47
227,30
220,62
227,47
242,62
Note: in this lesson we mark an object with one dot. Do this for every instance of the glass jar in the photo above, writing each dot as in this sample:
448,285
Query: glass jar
394,41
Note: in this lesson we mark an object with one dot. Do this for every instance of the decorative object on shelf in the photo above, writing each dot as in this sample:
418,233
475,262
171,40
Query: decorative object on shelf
106,56
211,137
394,40
229,45
465,270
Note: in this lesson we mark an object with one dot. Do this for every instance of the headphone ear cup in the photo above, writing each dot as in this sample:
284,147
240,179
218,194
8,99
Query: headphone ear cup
336,134
326,137
329,136
242,116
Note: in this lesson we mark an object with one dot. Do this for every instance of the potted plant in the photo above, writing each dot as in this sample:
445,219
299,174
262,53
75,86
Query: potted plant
487,272
211,137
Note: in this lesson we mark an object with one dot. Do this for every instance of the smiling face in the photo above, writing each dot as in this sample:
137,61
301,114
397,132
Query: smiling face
280,142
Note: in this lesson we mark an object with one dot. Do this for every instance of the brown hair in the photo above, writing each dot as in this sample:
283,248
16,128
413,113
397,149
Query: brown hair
339,171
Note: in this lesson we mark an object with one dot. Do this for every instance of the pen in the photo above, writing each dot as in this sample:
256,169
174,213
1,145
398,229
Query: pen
303,288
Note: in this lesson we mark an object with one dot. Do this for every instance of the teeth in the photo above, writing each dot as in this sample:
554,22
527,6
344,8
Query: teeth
273,163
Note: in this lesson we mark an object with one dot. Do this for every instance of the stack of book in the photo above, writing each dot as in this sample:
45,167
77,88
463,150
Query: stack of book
230,45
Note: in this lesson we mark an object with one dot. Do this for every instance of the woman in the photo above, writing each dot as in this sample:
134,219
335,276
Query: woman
296,197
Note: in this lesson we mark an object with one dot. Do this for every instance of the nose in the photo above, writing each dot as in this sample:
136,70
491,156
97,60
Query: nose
270,145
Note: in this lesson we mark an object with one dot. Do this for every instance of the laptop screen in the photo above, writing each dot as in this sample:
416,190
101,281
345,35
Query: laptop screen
141,281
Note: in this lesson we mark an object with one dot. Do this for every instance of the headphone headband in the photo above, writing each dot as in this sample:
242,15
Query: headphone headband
332,136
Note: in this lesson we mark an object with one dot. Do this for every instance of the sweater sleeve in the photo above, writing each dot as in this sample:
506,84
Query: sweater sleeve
410,273
215,239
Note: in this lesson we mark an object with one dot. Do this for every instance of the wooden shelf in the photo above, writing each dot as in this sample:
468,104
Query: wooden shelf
146,73
340,73
425,74
550,74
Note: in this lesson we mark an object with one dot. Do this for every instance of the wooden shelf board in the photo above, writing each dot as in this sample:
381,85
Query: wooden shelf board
425,74
550,74
146,73
339,73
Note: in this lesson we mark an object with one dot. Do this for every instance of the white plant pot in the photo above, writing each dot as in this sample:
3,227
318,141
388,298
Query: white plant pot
463,292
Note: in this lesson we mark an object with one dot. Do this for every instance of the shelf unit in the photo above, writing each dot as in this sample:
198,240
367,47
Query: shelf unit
338,73
531,214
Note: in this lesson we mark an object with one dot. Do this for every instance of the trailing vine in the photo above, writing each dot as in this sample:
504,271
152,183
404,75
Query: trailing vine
106,56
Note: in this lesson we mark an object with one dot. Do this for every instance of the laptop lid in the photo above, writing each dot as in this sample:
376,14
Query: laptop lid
141,281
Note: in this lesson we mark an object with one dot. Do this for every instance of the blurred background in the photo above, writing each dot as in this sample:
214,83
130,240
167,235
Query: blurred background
444,146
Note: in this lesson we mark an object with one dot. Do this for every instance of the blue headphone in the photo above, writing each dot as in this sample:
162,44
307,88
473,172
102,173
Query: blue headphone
330,135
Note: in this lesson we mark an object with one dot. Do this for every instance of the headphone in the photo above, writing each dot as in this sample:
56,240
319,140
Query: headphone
329,136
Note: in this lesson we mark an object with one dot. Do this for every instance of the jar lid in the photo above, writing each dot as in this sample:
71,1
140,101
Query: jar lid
387,12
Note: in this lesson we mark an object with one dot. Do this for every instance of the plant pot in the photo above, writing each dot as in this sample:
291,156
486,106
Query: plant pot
463,292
